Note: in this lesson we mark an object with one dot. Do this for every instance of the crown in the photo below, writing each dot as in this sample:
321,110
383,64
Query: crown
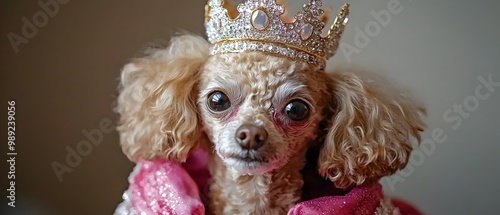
258,25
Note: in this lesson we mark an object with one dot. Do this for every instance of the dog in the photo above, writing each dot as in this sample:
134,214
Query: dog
257,115
270,121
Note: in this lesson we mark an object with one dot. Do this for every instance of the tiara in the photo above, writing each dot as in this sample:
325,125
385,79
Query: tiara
258,25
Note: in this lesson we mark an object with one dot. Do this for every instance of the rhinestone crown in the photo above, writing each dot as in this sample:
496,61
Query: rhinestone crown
258,25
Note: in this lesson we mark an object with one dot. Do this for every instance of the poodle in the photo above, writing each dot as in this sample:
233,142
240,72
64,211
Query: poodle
257,115
266,121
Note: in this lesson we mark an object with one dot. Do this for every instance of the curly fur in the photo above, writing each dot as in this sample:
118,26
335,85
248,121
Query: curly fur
158,112
364,132
370,133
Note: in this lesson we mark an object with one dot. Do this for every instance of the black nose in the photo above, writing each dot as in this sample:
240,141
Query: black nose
251,136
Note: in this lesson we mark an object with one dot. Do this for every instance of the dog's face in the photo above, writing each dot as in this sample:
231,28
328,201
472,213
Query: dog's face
258,110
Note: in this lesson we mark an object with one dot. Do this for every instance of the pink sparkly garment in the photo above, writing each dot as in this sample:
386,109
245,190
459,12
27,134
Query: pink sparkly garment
166,187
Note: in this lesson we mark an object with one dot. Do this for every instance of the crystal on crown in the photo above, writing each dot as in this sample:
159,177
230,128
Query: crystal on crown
258,25
259,20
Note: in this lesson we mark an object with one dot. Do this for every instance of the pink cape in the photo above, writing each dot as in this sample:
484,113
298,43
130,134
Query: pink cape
166,187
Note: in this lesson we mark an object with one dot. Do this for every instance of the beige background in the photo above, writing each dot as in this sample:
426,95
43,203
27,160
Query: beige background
64,82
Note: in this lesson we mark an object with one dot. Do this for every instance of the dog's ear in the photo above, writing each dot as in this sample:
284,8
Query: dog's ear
157,100
369,132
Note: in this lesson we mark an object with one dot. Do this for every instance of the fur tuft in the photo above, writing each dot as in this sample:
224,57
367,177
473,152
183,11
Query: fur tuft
157,101
370,132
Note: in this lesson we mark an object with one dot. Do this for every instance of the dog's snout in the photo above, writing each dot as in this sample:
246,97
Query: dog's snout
251,136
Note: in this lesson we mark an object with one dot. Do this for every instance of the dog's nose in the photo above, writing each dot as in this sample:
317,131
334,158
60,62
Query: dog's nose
251,136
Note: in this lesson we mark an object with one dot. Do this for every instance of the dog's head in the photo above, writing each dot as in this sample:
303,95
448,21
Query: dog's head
258,110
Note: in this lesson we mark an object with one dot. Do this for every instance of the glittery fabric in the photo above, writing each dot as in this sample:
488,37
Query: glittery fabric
164,187
360,201
125,207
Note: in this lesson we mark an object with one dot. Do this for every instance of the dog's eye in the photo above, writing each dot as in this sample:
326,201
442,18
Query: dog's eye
218,101
297,110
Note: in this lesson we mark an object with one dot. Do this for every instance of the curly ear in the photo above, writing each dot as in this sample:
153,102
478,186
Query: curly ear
370,131
157,101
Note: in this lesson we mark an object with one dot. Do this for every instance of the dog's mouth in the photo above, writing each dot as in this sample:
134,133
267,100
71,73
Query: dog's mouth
244,156
247,159
247,163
